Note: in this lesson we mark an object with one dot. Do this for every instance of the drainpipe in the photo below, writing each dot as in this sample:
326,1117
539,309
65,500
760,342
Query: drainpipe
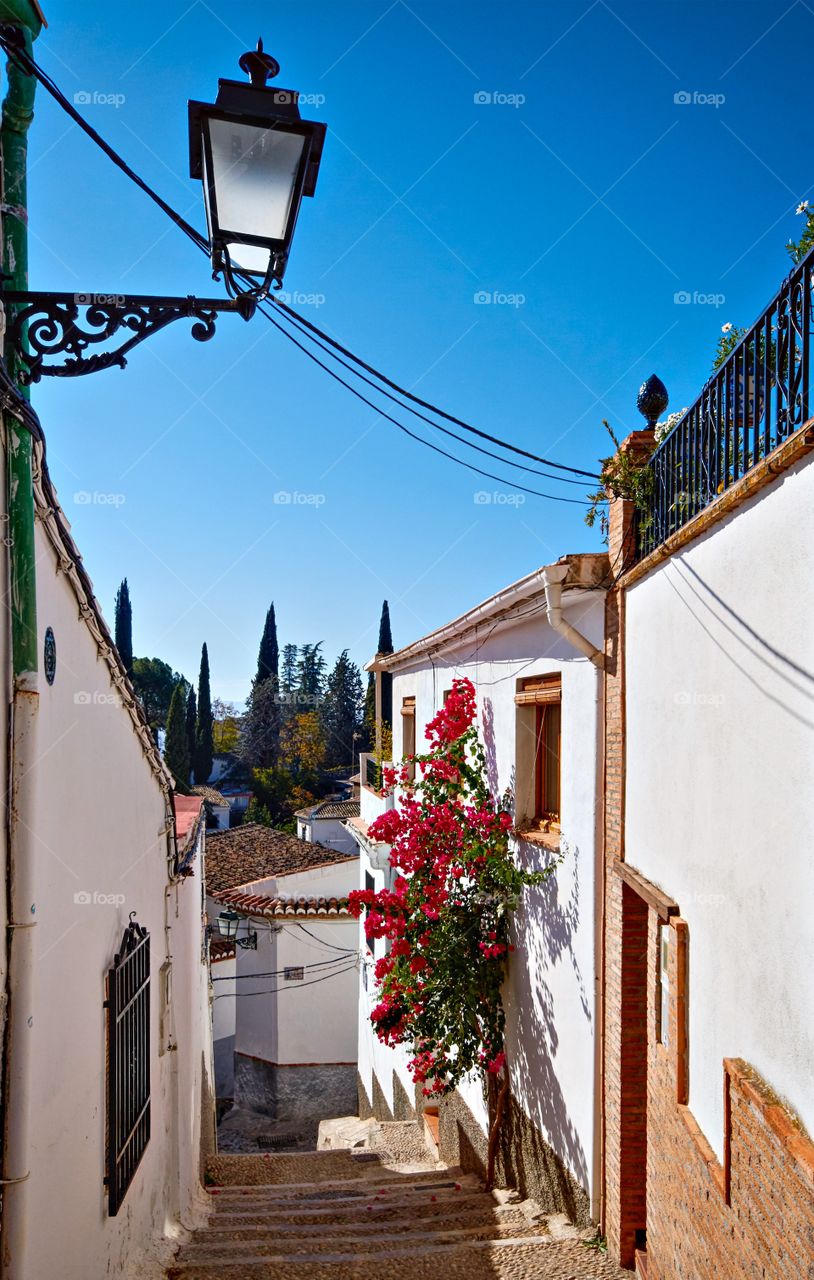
553,577
18,112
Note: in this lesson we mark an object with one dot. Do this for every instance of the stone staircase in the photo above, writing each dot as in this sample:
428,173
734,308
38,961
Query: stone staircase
343,1215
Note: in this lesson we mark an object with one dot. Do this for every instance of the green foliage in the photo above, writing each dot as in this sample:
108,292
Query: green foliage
176,742
385,634
288,677
124,627
259,743
798,249
310,675
622,478
386,646
268,659
203,732
342,711
191,721
225,727
154,682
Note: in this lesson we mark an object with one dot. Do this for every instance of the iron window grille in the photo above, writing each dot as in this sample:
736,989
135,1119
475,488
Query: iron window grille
128,1062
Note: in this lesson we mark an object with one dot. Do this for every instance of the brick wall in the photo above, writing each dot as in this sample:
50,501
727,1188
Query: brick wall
751,1218
617,1223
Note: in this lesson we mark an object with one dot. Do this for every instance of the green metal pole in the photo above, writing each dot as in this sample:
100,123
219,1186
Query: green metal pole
18,112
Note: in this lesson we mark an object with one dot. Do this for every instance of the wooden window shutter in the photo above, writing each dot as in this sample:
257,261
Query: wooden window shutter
539,690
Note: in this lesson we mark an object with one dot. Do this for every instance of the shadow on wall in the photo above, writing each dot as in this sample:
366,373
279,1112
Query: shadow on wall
545,929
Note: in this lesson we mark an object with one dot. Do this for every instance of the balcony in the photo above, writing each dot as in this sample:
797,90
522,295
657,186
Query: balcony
749,407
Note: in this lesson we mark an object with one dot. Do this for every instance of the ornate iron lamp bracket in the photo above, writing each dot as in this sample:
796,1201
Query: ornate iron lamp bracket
44,325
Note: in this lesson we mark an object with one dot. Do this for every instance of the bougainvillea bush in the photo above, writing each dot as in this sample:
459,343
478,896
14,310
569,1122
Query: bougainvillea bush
448,913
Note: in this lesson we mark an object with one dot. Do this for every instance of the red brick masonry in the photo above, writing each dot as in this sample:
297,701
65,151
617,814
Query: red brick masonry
751,1218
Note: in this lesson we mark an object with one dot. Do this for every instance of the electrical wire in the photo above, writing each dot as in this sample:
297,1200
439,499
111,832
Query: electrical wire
347,950
277,973
298,986
10,40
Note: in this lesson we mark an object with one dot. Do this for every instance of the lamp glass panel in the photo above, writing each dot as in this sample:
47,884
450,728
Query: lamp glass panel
254,170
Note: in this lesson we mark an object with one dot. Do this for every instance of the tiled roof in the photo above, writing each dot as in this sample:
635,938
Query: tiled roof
284,908
222,949
254,852
331,809
210,795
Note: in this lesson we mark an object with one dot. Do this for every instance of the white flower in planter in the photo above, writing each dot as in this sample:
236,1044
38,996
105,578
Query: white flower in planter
802,206
726,328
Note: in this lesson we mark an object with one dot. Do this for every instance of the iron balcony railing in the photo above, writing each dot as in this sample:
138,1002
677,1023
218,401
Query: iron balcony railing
128,1062
749,406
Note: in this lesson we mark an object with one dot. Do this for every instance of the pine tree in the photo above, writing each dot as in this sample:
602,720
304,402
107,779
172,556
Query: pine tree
310,676
191,721
203,731
176,742
124,627
268,659
261,726
369,715
289,673
386,646
342,710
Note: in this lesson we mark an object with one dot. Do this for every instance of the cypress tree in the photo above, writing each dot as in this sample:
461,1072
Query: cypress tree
203,732
124,627
176,743
268,659
192,721
386,646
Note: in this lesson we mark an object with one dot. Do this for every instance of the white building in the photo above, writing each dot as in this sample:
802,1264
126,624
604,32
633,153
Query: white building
527,646
324,824
217,807
287,1039
91,852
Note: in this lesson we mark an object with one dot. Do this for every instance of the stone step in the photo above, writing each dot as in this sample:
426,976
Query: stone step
279,1168
352,1217
515,1258
345,1189
447,1218
210,1250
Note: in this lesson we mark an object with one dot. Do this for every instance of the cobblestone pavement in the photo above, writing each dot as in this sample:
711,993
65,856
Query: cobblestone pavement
345,1215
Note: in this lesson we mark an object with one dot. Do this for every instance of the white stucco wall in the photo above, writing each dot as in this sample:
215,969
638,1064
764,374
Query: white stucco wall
329,832
720,758
313,1021
551,990
98,855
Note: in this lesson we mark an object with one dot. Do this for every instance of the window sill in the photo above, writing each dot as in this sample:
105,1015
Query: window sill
547,839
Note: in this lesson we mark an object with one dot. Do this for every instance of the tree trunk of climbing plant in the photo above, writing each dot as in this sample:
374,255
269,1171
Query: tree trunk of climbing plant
494,1133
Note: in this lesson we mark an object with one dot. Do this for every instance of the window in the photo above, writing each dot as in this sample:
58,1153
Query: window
128,1063
294,973
408,734
539,722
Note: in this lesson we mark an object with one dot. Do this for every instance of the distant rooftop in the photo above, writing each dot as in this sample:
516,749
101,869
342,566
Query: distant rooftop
256,904
331,809
254,852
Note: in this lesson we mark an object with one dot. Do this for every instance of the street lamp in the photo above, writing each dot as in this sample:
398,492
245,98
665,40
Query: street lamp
257,158
228,922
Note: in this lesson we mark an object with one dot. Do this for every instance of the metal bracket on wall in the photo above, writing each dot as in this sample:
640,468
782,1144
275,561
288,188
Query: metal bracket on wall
43,325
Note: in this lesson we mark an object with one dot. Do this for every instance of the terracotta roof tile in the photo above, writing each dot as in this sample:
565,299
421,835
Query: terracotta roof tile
210,795
331,809
254,852
222,949
257,904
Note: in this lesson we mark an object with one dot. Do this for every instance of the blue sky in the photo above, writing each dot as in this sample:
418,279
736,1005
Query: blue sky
628,153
